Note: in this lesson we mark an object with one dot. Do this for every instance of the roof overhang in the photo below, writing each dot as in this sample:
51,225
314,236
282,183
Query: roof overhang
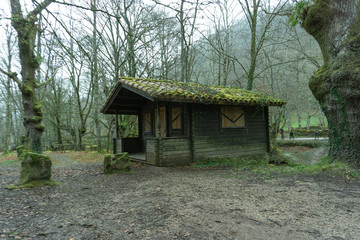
129,94
124,99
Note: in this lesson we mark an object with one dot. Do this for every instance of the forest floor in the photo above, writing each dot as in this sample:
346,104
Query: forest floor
226,202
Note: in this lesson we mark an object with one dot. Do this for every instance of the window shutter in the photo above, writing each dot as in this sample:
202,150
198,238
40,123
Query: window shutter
147,117
232,117
176,118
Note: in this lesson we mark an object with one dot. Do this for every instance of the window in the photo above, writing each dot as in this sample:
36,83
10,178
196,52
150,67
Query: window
176,118
232,117
147,117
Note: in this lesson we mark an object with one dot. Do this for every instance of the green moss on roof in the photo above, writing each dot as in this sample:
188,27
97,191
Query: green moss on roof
192,92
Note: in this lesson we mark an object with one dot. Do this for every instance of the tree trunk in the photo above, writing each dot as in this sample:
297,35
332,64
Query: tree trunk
8,97
298,114
335,24
8,118
182,42
26,29
32,109
58,129
95,78
308,121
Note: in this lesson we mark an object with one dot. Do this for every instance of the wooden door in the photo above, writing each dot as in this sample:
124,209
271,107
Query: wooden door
162,122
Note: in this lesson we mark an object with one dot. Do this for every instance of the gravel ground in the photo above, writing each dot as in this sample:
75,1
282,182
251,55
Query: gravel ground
179,203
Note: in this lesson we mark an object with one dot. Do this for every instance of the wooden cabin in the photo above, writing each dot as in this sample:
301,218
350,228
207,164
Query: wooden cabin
180,123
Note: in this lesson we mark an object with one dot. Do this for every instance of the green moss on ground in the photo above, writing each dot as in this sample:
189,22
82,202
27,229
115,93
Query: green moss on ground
309,144
260,165
33,184
236,162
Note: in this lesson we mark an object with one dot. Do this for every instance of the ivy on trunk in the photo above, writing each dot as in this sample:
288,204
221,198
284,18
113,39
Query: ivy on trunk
335,24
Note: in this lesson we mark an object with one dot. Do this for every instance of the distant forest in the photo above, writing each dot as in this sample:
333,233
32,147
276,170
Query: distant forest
83,47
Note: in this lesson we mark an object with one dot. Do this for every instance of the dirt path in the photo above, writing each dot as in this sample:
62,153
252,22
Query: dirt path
180,203
305,155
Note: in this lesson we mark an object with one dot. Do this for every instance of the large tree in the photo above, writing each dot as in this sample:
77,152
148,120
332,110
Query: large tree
335,24
26,28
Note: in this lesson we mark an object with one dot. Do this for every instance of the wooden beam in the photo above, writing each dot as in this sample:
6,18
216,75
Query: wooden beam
134,90
123,111
117,125
111,98
158,120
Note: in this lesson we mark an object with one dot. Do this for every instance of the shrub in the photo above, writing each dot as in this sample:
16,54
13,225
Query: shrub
309,143
299,132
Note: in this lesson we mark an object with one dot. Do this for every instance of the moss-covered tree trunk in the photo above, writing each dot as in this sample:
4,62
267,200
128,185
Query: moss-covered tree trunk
335,24
26,29
33,166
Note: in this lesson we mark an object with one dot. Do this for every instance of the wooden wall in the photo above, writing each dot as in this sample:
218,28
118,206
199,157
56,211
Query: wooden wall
211,141
152,153
206,139
168,151
175,152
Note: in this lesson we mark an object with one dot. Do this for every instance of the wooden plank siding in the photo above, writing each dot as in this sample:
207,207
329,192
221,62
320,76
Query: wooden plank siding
212,141
207,139
152,155
168,151
175,152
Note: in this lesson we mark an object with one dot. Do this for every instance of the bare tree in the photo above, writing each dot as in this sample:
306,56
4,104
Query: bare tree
252,9
26,28
7,84
95,76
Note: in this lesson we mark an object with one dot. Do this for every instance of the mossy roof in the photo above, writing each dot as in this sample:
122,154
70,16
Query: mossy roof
160,90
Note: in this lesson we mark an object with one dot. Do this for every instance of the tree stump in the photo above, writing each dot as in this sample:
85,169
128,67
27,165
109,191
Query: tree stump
34,167
116,163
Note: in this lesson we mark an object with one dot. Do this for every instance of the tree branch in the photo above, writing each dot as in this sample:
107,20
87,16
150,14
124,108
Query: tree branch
12,75
16,13
86,8
47,81
40,6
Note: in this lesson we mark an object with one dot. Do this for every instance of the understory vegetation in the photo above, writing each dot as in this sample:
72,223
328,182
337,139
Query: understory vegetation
309,144
307,158
57,158
291,157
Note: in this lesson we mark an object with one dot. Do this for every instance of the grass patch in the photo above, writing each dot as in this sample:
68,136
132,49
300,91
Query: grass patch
302,143
9,160
260,165
243,162
61,158
86,157
314,121
324,165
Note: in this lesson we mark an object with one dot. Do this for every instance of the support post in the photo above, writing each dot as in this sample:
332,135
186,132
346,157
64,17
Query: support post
266,115
158,139
117,125
158,120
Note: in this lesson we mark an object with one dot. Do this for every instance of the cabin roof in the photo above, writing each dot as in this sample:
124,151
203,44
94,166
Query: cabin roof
171,91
